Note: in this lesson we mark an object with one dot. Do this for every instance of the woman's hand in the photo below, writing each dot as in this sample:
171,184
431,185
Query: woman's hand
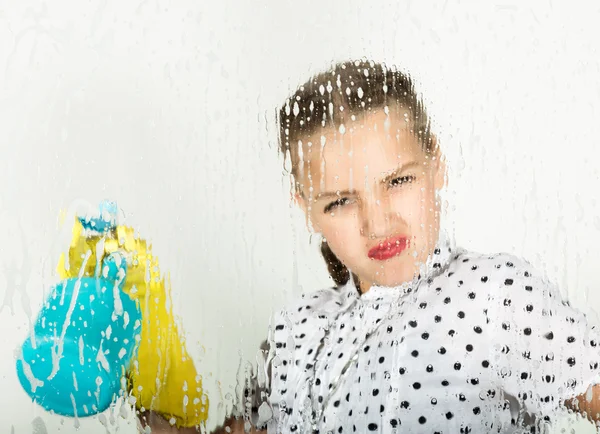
591,408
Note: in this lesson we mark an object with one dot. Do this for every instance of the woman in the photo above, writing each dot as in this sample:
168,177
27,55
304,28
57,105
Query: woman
418,335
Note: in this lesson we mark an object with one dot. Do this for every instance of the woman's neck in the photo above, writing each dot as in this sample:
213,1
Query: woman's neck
362,285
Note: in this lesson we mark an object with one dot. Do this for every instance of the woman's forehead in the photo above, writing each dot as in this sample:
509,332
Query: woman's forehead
361,151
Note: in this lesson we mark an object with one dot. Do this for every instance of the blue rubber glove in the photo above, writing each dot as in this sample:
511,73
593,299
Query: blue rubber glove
82,343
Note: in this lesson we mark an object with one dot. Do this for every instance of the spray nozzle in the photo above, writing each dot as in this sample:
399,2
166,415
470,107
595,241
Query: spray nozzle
101,220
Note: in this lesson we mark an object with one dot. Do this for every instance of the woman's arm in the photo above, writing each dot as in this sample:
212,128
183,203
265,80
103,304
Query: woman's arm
231,425
235,427
158,425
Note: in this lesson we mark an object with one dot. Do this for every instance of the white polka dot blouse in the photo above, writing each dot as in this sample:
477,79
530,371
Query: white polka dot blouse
477,343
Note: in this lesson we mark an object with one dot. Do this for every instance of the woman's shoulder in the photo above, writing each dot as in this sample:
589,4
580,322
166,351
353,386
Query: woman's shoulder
318,304
494,261
503,270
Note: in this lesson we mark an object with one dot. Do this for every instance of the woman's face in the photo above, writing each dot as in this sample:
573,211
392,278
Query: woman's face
371,193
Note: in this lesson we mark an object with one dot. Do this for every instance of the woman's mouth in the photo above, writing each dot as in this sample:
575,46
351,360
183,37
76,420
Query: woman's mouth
389,248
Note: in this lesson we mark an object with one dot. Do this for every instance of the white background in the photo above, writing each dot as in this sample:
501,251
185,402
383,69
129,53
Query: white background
168,108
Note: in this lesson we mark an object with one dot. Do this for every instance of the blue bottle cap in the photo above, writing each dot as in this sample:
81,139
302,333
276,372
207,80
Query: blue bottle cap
103,220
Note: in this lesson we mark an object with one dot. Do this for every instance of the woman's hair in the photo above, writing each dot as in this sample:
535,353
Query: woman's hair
329,99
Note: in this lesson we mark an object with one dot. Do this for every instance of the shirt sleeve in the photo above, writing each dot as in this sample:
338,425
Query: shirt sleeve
262,393
257,390
544,350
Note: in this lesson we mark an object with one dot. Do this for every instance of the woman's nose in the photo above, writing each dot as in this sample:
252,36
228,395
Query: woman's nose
375,218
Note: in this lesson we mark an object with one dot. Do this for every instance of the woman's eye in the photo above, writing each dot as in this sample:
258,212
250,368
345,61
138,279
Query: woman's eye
335,204
402,180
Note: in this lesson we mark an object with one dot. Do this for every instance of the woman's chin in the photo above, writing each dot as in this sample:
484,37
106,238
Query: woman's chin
393,277
394,271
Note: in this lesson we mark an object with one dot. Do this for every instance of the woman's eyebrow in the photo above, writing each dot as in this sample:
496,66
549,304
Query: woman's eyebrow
389,177
337,193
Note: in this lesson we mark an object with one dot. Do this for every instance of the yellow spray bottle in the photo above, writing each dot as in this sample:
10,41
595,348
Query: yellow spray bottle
162,376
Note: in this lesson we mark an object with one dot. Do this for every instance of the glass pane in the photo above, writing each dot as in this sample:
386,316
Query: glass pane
175,113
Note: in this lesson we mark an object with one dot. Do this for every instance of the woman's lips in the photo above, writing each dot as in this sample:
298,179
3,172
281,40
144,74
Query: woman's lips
389,248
